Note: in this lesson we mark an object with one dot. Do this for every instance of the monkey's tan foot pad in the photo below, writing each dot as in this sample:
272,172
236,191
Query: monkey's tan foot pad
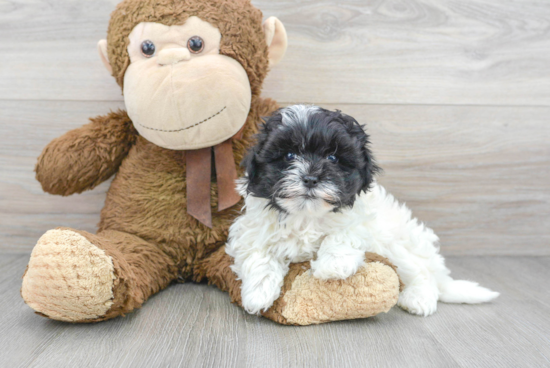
68,278
307,300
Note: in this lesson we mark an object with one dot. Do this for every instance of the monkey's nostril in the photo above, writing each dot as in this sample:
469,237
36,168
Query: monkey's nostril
310,181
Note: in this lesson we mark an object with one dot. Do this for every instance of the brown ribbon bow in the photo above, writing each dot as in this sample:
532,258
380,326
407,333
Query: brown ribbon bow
198,163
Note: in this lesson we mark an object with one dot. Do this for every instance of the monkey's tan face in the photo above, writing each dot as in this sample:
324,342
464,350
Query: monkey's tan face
179,91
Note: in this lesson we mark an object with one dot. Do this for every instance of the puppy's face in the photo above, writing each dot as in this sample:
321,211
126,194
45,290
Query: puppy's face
309,160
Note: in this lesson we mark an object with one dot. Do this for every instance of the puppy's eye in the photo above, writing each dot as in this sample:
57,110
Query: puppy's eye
290,156
332,158
195,44
147,48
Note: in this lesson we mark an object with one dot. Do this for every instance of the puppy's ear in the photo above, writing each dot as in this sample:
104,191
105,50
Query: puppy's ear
369,168
271,122
250,160
249,163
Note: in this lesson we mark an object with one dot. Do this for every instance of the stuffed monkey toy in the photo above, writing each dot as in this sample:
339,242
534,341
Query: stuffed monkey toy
191,73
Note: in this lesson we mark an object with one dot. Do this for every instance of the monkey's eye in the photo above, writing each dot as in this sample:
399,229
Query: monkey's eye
147,48
195,44
290,156
332,158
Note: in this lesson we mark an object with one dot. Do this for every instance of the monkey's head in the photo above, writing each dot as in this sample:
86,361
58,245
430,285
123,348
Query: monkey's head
189,68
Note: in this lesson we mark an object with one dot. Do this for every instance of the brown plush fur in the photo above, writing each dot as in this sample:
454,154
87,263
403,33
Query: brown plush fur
85,157
141,269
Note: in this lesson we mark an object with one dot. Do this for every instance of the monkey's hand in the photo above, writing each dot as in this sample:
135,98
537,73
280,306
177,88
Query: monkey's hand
83,158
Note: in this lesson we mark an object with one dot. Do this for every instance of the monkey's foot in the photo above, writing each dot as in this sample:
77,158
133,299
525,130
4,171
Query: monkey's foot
68,278
306,300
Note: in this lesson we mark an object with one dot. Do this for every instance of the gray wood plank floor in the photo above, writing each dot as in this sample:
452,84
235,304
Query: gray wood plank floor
194,325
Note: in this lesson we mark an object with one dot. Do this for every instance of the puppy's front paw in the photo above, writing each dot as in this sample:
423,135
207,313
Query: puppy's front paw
336,267
258,299
420,300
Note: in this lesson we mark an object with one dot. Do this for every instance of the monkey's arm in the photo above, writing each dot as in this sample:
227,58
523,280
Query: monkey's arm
83,158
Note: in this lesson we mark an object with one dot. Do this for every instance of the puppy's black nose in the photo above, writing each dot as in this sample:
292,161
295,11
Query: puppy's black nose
310,181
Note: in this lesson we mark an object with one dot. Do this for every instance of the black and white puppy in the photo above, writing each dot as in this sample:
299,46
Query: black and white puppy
310,194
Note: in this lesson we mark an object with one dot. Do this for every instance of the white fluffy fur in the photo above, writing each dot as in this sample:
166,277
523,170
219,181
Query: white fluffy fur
264,242
298,113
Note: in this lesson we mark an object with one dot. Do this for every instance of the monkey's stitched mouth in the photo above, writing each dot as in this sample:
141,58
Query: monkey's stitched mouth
189,127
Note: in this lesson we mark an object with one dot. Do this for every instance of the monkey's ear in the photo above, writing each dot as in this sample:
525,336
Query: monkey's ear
102,49
276,39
